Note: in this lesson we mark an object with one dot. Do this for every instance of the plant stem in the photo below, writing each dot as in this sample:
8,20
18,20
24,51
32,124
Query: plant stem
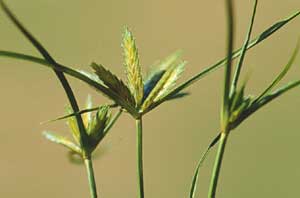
217,165
90,172
227,79
139,148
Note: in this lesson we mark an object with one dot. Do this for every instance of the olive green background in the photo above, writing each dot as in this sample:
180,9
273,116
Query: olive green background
262,157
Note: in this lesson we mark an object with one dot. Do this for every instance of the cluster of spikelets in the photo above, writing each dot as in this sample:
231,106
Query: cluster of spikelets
141,93
96,127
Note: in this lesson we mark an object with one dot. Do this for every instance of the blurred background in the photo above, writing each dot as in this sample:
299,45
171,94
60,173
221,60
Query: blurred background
262,156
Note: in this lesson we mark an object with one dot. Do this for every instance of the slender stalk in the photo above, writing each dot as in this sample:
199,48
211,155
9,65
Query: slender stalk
91,177
217,166
244,49
227,79
139,148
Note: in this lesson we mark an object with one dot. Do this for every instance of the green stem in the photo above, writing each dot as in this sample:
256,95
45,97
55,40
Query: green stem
217,166
90,172
228,67
139,147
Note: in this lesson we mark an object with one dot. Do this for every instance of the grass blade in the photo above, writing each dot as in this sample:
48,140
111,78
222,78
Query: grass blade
83,111
264,35
178,96
243,51
199,165
72,72
282,73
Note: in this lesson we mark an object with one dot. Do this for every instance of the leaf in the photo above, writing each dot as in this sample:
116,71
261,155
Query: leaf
243,50
282,73
51,61
84,111
264,35
132,65
200,163
62,141
79,75
178,96
115,84
171,71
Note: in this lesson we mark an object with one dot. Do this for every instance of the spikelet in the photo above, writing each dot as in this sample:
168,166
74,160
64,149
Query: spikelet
71,121
172,71
170,82
97,125
86,117
62,141
113,82
132,66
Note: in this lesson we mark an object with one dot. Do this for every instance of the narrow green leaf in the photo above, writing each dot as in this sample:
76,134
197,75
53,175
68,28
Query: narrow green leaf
132,65
199,165
51,61
79,75
264,35
113,82
84,111
282,73
178,96
62,141
243,50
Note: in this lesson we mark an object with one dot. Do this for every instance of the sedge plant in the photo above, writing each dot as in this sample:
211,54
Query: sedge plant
139,95
236,106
